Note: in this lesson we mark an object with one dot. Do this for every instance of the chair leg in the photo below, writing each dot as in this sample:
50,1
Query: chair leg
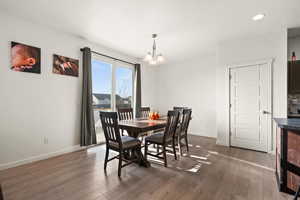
146,150
174,150
179,146
106,157
165,156
140,155
186,142
297,193
120,163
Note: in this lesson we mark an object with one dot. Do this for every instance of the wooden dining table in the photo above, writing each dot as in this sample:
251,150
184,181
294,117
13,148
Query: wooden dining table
136,127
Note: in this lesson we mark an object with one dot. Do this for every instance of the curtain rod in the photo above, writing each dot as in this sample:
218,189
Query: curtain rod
124,61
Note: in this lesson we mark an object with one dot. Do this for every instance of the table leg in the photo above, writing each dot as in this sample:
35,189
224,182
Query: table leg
126,155
143,162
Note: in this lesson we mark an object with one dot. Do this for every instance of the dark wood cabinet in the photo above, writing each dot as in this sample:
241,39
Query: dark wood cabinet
294,77
288,159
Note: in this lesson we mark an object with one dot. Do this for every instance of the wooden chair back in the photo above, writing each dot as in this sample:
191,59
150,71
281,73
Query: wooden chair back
125,113
110,127
172,124
144,112
179,108
186,118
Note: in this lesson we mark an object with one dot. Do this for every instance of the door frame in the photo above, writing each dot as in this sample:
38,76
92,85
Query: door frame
269,62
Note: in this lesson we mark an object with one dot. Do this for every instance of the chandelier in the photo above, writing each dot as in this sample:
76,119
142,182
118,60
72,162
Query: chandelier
152,57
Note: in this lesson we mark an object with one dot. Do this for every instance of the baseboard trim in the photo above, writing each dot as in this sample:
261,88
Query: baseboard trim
222,143
272,152
206,136
247,162
41,157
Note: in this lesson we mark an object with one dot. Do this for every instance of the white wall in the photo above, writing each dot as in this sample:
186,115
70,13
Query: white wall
294,46
190,83
246,50
149,85
38,106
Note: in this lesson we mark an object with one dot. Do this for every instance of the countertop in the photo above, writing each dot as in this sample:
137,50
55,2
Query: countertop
294,115
288,123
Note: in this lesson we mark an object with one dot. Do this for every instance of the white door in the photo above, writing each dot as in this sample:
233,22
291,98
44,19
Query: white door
251,106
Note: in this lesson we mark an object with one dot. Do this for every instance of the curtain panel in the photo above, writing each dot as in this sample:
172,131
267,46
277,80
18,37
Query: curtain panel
88,133
138,90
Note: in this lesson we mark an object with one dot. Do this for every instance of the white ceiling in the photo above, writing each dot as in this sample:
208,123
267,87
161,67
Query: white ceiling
184,27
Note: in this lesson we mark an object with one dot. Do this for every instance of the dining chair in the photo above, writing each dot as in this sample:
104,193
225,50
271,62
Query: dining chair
181,132
165,138
118,143
1,193
144,112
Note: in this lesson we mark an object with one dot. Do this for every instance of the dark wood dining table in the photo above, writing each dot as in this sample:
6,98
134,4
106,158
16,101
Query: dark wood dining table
136,127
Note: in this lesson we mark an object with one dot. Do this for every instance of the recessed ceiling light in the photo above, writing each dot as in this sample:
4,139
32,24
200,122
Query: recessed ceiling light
258,17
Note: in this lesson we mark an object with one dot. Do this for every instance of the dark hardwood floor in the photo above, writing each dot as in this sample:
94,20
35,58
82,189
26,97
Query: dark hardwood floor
208,172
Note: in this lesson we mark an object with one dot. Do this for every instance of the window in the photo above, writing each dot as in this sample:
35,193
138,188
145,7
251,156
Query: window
112,88
124,87
102,85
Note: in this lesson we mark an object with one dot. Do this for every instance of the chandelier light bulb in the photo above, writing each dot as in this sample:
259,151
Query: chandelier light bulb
160,58
148,57
153,62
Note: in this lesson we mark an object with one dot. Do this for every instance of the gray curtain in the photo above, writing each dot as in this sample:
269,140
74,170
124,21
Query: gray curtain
88,133
138,89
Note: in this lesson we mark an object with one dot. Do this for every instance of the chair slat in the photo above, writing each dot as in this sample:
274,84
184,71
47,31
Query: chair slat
125,113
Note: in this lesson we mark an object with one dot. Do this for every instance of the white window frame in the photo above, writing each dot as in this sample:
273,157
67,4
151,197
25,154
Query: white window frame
114,65
128,66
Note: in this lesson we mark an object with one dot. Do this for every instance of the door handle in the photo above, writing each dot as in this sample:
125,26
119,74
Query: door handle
265,112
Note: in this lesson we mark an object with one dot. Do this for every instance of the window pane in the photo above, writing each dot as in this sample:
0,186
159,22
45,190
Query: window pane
101,80
124,87
102,87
